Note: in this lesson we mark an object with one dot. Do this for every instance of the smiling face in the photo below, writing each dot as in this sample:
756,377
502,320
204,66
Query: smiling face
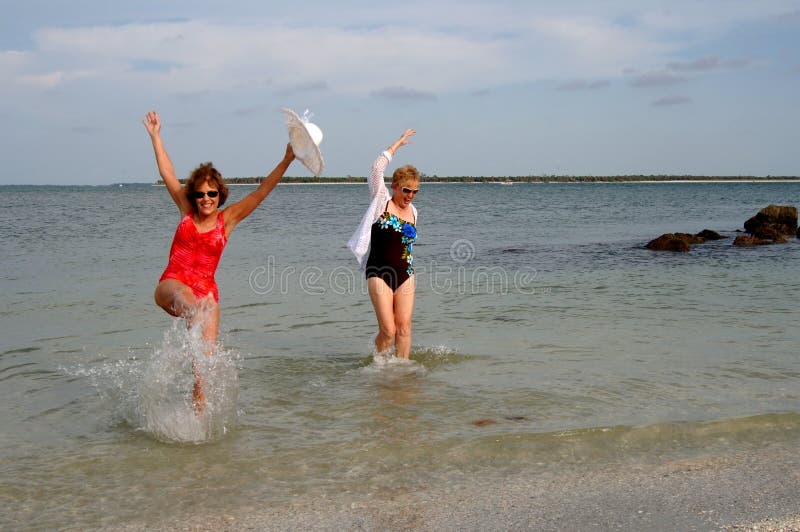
206,198
206,178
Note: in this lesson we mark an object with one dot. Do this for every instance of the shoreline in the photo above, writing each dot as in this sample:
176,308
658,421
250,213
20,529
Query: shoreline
753,489
664,181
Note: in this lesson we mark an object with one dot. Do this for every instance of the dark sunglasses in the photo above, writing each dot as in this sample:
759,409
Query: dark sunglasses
409,190
210,193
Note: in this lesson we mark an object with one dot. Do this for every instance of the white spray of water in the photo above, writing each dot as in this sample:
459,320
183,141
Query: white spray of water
386,363
423,359
155,395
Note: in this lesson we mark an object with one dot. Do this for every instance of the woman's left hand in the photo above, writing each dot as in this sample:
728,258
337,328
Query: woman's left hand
289,155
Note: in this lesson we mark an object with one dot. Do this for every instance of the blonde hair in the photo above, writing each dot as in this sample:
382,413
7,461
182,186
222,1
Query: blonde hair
405,174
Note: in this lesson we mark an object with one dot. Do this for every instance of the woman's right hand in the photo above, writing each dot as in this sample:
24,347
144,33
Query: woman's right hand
152,123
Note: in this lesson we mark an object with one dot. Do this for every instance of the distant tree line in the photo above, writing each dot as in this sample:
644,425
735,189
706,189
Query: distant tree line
509,179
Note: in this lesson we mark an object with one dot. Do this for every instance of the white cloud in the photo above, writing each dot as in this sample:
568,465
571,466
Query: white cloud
53,79
459,58
464,46
218,57
598,46
13,59
479,43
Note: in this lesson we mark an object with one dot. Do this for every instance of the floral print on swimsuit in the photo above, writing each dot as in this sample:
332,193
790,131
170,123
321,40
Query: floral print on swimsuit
409,232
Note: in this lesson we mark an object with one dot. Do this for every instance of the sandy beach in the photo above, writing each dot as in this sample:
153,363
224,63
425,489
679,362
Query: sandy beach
748,490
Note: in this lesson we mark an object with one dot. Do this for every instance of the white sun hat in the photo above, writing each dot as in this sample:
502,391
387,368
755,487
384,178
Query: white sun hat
305,138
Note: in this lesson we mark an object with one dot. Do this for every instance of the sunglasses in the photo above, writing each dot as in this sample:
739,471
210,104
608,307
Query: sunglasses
409,190
210,194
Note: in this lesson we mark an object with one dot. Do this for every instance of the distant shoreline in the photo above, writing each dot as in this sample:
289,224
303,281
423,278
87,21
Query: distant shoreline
462,181
536,181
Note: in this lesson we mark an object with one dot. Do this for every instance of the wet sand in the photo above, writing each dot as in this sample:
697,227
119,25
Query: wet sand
747,490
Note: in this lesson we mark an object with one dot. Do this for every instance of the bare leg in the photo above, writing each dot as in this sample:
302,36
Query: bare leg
207,313
403,309
175,298
383,301
178,300
198,395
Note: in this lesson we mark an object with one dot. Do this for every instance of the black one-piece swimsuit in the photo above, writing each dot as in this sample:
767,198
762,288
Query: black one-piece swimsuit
390,257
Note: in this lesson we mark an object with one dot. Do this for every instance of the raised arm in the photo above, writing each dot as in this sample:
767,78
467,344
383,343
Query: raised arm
402,141
165,168
242,208
375,179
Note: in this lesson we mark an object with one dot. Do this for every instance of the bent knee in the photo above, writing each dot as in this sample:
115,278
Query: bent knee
174,297
163,299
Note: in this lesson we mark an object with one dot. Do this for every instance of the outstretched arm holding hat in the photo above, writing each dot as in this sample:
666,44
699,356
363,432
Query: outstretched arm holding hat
242,208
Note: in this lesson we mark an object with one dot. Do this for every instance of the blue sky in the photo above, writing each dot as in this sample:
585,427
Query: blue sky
580,87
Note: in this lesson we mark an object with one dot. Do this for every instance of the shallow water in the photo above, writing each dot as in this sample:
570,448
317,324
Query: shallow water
545,336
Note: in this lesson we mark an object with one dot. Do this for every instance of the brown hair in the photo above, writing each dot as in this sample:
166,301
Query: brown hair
202,174
405,173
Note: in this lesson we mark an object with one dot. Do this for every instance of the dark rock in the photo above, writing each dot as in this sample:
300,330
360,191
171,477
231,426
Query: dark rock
690,239
782,217
708,234
670,242
770,232
746,241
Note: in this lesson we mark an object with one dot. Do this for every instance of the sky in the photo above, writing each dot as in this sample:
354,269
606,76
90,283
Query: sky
493,87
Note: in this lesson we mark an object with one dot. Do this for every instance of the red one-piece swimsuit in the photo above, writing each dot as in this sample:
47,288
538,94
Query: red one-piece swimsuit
194,256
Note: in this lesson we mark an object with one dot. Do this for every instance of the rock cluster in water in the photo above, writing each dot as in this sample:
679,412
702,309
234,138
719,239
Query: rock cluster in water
772,225
682,241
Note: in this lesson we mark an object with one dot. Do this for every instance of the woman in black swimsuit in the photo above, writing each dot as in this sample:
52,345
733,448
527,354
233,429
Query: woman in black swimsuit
390,256
389,231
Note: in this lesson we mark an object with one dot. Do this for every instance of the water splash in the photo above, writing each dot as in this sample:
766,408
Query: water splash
435,356
154,395
164,407
385,361
421,360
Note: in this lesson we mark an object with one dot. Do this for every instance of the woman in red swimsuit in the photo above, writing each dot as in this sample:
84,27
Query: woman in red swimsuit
187,288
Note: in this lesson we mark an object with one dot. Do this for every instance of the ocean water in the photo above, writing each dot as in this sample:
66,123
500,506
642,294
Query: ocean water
545,337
